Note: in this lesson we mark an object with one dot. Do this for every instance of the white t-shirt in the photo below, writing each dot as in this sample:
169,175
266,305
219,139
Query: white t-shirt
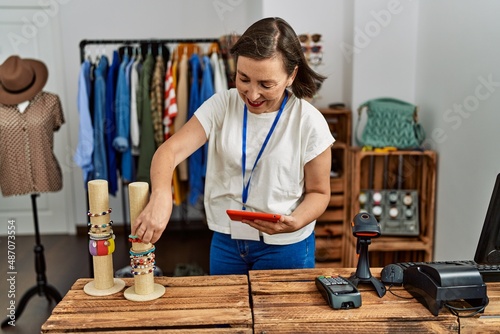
277,183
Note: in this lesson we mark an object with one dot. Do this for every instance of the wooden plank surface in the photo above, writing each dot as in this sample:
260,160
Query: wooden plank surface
283,301
290,298
193,303
489,321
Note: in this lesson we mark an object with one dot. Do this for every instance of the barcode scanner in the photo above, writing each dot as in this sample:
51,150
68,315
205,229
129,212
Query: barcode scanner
365,227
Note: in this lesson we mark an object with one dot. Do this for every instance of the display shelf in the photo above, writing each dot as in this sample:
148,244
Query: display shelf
329,231
392,170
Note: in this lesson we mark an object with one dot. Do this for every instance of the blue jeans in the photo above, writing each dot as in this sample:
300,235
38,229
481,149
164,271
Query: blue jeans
230,256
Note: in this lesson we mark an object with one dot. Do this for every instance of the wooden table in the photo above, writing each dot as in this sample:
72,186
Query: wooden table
283,301
202,304
287,301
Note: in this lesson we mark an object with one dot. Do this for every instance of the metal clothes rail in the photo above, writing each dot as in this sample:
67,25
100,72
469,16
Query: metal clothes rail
86,42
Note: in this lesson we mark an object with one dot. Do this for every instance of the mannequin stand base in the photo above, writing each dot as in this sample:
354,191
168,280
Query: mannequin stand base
46,290
130,294
42,288
91,290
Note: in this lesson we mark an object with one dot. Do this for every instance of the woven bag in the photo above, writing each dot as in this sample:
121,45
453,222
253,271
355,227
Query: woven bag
390,123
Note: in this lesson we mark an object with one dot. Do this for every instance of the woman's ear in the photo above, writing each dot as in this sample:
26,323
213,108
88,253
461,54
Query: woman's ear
292,76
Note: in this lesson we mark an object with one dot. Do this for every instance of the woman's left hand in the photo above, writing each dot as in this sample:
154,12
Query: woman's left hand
285,224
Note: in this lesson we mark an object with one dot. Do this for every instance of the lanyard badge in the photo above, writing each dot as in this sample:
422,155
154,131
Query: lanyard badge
246,186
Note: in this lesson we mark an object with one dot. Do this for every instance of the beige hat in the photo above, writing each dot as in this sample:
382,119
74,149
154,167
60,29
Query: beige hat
21,79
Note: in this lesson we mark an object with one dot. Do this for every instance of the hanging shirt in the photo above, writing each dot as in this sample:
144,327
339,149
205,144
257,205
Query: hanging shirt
134,118
147,141
99,157
128,162
175,68
218,82
206,92
110,123
195,160
157,98
182,109
85,147
207,84
223,75
122,113
27,162
170,109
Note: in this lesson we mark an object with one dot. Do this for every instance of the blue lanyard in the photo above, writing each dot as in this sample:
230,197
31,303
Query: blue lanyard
246,186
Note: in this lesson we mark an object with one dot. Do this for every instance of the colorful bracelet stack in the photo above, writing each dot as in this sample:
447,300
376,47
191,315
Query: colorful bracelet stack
142,262
102,238
133,238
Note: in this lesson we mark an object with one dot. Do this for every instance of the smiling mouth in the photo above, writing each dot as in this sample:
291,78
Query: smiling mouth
256,104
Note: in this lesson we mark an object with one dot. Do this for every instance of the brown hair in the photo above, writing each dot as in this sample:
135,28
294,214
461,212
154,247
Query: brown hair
271,36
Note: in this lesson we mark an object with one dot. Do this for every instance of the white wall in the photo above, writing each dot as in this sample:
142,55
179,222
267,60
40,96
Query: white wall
438,54
459,49
383,50
333,20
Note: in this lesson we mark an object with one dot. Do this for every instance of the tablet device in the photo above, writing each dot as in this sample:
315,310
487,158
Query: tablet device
239,215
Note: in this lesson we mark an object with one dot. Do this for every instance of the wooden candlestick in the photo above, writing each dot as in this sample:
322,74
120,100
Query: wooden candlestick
144,287
103,284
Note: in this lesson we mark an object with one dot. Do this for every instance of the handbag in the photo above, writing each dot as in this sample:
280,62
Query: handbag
390,123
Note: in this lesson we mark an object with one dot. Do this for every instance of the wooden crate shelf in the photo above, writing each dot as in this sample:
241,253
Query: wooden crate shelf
418,172
330,225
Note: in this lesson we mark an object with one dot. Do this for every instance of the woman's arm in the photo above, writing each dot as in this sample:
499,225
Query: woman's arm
153,220
316,198
317,190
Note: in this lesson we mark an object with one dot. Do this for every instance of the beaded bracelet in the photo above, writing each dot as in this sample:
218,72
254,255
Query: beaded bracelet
140,262
138,254
143,272
101,236
98,214
100,226
143,266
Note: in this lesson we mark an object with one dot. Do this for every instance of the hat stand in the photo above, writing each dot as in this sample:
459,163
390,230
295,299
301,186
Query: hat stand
41,288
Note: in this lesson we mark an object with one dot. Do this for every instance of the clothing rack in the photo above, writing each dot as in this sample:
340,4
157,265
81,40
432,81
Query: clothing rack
86,42
130,42
125,42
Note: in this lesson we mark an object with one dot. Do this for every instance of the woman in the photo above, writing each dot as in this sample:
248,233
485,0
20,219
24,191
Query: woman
269,150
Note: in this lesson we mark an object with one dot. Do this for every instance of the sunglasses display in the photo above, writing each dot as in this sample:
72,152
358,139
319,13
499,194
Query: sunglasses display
311,49
315,38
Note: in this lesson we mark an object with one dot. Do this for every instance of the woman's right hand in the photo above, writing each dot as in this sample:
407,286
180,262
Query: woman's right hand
153,220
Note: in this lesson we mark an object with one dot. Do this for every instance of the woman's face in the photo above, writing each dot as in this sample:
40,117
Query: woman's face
262,83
